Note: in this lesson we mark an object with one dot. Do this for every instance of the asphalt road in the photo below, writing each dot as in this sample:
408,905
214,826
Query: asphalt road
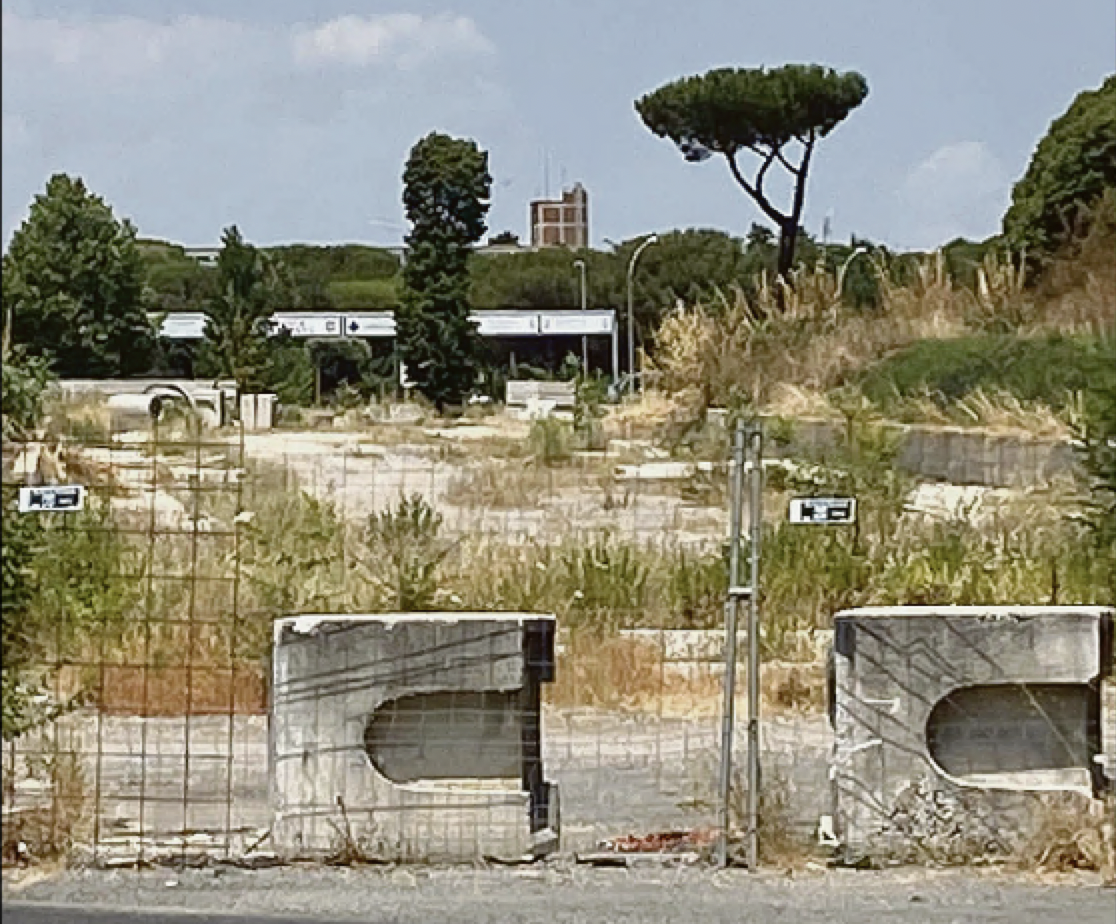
555,895
20,913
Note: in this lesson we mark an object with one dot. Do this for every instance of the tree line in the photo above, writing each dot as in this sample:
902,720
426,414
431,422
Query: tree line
79,284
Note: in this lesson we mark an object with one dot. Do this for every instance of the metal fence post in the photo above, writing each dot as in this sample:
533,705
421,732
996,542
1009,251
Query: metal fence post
756,532
732,608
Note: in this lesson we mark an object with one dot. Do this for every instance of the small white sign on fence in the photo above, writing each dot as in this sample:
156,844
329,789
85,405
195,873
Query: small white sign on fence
823,510
52,499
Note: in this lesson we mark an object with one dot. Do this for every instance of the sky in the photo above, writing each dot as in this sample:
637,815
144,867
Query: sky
293,118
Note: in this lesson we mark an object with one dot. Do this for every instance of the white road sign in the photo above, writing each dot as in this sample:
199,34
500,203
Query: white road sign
308,325
823,510
576,322
506,324
183,325
52,498
370,324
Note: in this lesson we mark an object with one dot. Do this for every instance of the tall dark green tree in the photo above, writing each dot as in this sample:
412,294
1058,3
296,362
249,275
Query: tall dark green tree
1071,168
250,288
73,285
777,115
446,189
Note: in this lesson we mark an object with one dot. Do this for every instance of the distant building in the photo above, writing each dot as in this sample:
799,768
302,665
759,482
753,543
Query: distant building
206,256
561,222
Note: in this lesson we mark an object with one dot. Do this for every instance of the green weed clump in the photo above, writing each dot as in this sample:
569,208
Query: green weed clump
551,441
405,541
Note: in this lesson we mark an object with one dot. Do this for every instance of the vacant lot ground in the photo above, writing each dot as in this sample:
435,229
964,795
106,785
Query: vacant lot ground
171,785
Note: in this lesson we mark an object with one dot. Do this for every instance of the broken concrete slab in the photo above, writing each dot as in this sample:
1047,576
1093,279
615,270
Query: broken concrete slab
948,720
412,736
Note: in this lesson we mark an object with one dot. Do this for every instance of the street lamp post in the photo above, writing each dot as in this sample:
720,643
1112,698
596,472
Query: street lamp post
845,268
631,311
580,264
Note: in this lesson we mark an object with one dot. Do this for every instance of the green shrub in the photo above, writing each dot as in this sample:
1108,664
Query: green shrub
344,262
294,556
1041,369
696,588
590,395
21,544
69,585
606,578
290,372
405,541
550,440
25,380
1098,449
1072,167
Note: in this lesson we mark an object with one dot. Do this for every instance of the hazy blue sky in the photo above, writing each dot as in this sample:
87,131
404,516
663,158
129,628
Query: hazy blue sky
293,118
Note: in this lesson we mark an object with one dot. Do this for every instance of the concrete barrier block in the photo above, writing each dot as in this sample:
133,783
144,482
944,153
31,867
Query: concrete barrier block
413,736
965,712
563,395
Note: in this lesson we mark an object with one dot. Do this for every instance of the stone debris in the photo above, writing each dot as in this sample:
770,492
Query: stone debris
948,826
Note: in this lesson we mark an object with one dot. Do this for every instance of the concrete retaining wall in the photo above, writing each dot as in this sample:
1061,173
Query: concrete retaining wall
957,455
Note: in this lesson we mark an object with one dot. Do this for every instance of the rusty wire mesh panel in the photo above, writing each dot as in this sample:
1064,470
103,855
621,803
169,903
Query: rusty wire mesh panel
153,628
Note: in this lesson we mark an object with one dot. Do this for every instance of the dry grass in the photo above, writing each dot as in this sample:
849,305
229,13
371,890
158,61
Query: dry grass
1068,835
167,669
999,410
613,671
744,350
793,687
995,410
599,670
164,692
788,359
791,401
500,486
643,419
47,830
520,484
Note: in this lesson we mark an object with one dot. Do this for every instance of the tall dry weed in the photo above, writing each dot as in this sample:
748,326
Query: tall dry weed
1067,837
805,339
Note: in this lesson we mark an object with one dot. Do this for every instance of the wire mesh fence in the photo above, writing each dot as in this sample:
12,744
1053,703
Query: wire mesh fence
209,586
132,689
138,723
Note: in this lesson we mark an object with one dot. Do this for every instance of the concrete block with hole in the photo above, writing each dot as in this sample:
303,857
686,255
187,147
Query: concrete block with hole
411,737
948,721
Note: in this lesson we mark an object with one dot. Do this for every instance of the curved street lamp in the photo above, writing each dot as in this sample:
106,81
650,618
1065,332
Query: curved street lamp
845,268
580,264
652,239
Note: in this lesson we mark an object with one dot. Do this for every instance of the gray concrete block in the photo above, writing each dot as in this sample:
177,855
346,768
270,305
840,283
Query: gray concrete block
962,715
412,736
